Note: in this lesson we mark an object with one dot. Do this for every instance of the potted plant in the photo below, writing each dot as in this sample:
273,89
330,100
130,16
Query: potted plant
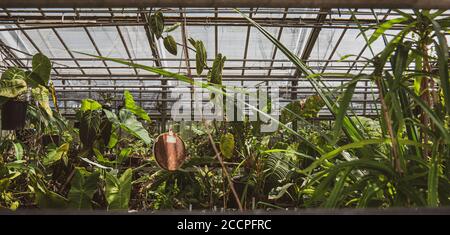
13,98
16,85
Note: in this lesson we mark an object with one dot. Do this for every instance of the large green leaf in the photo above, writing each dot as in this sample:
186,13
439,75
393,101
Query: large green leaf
45,198
89,127
200,56
133,126
133,107
41,95
83,186
12,88
50,200
118,190
90,105
217,69
128,122
56,154
157,24
14,73
41,69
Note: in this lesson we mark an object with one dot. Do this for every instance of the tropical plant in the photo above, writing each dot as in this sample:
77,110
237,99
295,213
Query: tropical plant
15,82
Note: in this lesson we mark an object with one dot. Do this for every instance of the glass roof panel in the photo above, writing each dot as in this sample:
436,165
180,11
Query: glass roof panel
127,39
232,45
110,45
17,40
260,48
77,40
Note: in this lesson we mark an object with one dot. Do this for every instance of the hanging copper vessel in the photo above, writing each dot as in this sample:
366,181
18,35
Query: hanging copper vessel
169,151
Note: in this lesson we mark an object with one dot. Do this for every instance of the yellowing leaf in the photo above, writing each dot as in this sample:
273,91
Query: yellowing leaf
41,95
227,145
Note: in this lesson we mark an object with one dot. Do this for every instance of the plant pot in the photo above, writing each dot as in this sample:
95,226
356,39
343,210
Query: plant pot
48,139
14,114
169,151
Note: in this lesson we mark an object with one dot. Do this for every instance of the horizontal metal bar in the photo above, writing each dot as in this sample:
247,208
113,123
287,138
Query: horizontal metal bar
255,11
336,67
307,90
182,59
200,24
433,4
142,88
203,100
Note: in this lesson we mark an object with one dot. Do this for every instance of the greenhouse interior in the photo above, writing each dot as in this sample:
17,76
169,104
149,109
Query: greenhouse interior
224,105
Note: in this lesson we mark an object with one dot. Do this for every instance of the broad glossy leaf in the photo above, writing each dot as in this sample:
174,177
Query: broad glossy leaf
170,45
42,68
129,123
14,73
56,154
133,107
83,186
41,95
89,127
157,24
118,190
50,200
89,105
12,88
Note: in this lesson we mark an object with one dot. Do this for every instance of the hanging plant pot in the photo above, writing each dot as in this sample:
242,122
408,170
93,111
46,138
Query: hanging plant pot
169,151
14,114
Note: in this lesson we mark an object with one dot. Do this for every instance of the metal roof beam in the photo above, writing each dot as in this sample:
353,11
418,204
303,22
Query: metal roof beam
428,4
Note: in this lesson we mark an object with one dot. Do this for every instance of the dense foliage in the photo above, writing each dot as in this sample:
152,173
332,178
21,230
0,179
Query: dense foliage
103,159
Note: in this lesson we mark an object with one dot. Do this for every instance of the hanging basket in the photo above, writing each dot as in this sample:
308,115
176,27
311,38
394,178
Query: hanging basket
169,151
14,114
